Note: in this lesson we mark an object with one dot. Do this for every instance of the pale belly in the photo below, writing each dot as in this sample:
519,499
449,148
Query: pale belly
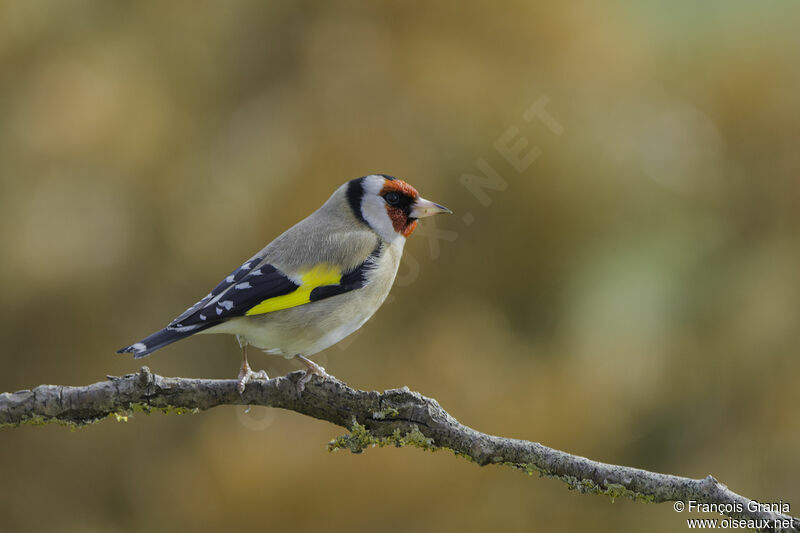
313,327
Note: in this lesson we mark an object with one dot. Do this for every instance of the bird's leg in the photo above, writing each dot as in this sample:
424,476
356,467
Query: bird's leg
246,374
312,369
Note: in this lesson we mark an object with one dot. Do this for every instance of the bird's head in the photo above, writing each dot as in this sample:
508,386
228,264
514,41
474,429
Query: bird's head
388,205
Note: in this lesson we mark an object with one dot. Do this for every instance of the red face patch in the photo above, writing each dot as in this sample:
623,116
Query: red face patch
399,215
409,229
400,186
400,221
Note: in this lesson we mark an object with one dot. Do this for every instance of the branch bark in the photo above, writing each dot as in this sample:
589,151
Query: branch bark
398,417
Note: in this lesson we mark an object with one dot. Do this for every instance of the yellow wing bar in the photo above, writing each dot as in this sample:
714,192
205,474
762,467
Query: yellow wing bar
319,276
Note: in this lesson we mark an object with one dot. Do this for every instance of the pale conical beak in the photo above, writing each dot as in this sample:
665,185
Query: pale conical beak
424,208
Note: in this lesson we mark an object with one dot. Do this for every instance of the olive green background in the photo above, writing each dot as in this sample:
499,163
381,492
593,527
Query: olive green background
632,295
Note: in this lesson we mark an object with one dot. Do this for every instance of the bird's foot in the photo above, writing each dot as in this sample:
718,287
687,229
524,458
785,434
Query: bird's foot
246,375
312,369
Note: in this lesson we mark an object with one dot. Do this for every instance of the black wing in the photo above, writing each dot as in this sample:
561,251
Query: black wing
255,288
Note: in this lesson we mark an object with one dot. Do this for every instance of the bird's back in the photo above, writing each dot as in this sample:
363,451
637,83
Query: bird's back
330,235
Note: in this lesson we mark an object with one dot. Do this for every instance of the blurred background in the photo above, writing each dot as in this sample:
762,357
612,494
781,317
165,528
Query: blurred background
631,294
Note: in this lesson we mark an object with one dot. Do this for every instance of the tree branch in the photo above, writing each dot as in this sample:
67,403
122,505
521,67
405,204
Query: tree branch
396,417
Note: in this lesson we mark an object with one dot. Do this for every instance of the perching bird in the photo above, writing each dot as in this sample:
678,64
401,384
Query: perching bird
315,284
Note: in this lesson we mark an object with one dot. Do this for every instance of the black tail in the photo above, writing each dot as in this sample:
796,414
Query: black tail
159,339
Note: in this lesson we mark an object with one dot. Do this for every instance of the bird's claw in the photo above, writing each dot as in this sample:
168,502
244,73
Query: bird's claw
246,375
312,370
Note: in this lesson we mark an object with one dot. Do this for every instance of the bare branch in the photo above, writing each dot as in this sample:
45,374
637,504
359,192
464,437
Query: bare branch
396,417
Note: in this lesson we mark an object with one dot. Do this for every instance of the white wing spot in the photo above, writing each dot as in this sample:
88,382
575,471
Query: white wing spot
219,310
256,272
229,279
227,304
139,347
246,266
187,328
202,316
215,299
243,285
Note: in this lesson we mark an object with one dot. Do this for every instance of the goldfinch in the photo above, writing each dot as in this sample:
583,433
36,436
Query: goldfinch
315,284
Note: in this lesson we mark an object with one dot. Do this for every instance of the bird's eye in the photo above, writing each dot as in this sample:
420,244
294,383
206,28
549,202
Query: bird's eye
392,198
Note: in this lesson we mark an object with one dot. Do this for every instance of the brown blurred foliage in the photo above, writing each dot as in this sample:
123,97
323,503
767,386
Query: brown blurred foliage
632,296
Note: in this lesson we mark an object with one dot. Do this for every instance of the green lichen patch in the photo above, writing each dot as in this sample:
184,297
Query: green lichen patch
134,408
167,410
389,412
463,455
585,486
612,490
615,490
39,420
360,439
528,468
79,421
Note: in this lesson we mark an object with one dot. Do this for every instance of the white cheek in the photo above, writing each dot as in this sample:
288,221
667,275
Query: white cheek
374,210
373,207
